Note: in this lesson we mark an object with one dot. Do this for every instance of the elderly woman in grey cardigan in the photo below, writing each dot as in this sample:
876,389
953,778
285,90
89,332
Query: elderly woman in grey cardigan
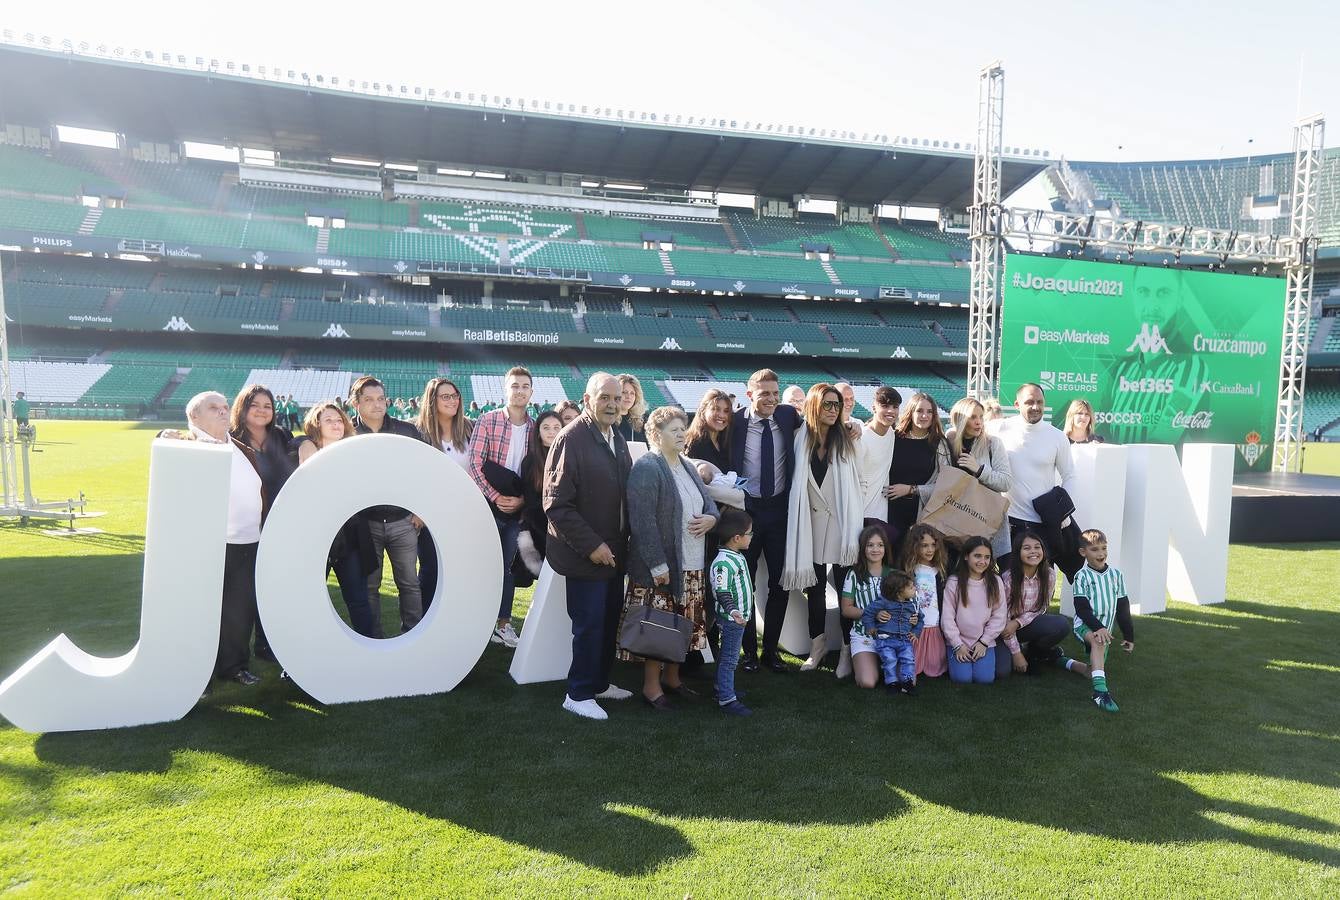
669,514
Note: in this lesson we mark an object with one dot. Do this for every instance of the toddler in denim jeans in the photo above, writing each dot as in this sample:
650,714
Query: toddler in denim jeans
733,593
893,621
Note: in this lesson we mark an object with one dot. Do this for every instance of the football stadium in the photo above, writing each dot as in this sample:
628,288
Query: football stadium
173,225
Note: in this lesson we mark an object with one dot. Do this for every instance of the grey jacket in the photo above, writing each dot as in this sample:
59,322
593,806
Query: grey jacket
656,520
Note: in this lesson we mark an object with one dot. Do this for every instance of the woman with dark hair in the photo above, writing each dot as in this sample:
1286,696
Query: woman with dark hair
350,554
1031,634
444,426
567,411
973,614
530,541
253,422
824,510
709,435
919,437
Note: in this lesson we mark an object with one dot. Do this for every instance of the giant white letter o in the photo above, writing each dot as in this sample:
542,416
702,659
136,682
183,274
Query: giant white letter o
323,655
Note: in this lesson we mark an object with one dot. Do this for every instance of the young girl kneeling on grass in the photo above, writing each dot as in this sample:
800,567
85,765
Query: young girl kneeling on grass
925,557
858,591
973,615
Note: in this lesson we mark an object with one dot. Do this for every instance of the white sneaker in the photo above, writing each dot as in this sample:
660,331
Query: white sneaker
506,635
614,692
587,709
844,662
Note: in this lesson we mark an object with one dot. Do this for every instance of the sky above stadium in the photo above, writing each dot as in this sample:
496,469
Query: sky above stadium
1110,81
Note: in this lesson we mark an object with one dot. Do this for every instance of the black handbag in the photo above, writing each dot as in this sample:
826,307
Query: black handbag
655,634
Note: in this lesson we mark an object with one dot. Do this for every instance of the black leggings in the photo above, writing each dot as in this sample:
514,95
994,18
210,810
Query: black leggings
817,603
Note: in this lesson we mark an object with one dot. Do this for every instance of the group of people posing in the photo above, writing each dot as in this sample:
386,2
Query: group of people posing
819,497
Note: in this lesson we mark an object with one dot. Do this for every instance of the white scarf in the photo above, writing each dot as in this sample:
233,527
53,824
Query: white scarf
798,571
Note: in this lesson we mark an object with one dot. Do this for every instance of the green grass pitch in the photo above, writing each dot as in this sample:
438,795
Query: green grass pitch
1219,777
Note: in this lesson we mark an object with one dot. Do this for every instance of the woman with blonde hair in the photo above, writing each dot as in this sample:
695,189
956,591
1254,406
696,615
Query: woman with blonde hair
1079,423
632,408
967,446
351,553
442,421
824,510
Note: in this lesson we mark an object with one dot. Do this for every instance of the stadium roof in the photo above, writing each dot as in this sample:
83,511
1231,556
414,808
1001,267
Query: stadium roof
39,87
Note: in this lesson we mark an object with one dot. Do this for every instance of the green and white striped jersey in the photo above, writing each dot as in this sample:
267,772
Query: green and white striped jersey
729,574
1102,590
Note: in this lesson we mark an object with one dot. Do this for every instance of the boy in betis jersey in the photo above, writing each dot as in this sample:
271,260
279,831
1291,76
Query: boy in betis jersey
733,590
1100,599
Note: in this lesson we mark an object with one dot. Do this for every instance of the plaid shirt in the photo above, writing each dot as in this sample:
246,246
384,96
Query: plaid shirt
490,440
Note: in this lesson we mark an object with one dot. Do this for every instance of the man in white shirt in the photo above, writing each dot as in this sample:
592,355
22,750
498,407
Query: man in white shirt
1039,453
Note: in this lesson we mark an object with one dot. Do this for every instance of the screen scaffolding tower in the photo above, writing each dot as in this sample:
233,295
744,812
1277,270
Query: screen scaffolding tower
984,296
1309,137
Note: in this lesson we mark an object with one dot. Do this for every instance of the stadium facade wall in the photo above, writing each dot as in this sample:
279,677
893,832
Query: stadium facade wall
333,330
74,243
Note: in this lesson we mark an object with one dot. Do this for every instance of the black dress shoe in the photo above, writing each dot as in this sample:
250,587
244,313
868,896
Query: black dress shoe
246,678
660,704
750,664
775,664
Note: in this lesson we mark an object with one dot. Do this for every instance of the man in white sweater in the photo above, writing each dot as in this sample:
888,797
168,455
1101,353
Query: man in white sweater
1039,453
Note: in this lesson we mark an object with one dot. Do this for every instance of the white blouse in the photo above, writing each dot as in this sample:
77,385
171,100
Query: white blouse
692,548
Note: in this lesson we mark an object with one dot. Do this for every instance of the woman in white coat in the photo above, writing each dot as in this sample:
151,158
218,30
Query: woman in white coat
969,447
824,509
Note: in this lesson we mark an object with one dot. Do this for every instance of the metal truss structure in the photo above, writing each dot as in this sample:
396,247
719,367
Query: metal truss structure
1309,136
984,295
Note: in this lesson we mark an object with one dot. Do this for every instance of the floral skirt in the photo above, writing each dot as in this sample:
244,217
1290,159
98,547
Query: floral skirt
692,606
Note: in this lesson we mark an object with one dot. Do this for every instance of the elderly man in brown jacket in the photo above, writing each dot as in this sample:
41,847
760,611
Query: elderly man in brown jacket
585,483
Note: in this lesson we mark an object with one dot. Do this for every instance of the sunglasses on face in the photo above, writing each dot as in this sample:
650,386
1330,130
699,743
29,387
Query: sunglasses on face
831,404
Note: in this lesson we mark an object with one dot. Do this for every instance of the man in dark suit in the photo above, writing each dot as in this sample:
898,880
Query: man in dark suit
761,452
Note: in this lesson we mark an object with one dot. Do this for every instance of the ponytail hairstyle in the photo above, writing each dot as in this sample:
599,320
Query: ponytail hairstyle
964,574
1045,577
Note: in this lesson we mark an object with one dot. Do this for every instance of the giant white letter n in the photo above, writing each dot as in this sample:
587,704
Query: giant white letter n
63,688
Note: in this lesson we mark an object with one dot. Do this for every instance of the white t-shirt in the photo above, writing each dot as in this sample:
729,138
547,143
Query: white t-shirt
927,597
874,454
244,501
516,447
459,457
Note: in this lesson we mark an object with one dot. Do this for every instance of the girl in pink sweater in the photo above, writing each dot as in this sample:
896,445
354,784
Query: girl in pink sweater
973,615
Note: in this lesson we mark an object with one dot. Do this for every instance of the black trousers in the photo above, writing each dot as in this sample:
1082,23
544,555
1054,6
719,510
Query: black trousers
1038,640
238,615
770,543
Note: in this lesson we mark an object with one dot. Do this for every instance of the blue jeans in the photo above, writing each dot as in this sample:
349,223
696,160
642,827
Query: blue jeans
728,659
983,671
594,607
508,529
896,658
354,588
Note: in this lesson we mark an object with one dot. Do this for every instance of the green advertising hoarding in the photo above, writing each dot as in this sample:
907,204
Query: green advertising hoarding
1165,356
